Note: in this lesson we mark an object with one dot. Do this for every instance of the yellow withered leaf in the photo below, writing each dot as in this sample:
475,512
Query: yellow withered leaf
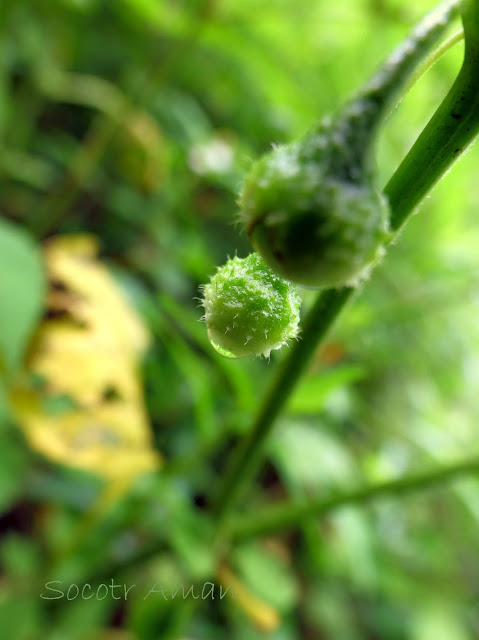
88,349
110,440
72,262
260,613
83,364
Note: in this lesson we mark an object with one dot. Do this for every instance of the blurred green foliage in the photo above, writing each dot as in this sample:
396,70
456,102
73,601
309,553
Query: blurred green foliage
135,120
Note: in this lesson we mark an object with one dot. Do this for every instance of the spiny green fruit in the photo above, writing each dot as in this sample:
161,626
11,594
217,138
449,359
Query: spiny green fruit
312,208
249,310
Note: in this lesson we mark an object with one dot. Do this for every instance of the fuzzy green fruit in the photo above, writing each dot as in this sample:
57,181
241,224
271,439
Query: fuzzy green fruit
311,224
249,310
312,208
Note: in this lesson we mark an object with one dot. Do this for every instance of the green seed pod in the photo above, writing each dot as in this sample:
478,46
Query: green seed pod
312,208
249,310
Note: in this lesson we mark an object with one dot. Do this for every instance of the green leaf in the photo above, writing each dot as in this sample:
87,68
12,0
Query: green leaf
351,549
20,558
309,458
437,620
270,578
310,395
190,536
3,404
13,466
22,291
20,616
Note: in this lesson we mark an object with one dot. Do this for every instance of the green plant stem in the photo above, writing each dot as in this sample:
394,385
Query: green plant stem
445,138
447,135
288,516
450,131
436,55
319,320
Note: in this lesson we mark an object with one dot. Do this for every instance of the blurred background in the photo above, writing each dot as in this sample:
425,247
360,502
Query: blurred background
125,130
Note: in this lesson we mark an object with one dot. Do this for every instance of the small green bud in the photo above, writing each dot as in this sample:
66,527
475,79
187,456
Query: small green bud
249,310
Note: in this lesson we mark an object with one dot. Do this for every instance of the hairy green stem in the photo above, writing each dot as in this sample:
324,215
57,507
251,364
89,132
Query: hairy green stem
288,516
362,116
451,129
